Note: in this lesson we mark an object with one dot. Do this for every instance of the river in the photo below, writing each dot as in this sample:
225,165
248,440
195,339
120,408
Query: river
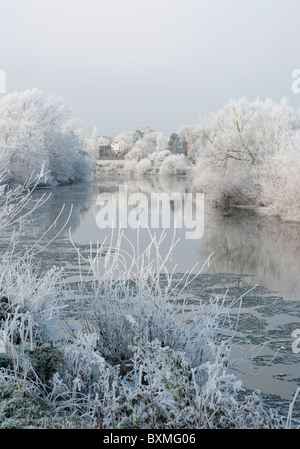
251,254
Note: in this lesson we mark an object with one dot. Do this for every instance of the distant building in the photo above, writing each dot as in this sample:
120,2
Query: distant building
105,151
111,150
115,148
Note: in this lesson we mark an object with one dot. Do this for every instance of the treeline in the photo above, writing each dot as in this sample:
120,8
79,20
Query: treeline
247,153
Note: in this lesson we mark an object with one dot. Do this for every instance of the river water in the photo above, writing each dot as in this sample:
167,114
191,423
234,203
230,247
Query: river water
251,254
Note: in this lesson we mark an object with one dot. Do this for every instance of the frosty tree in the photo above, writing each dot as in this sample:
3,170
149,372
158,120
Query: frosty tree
247,153
245,131
33,133
174,145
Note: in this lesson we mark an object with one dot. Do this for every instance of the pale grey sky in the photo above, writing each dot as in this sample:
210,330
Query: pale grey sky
162,63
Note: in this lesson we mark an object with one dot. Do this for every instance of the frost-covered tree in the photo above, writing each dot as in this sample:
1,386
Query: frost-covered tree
77,125
33,132
140,133
104,140
125,141
144,166
235,147
161,142
191,134
174,144
280,180
246,131
136,167
130,166
151,154
144,142
185,131
158,158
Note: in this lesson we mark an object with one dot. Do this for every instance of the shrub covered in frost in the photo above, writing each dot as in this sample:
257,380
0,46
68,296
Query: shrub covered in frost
144,166
173,165
157,158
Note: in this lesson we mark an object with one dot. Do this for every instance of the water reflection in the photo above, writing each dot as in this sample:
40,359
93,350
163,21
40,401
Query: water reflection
65,206
247,242
242,241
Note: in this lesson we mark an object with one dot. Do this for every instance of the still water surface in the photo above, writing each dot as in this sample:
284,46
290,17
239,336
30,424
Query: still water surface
247,247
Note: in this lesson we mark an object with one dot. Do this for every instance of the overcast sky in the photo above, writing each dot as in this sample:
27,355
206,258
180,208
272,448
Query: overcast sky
163,63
